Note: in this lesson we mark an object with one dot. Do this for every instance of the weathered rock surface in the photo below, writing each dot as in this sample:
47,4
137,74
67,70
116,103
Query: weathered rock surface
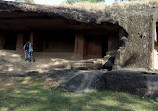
84,81
135,82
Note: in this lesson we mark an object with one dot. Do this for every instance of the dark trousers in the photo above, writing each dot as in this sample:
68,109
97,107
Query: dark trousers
26,55
31,56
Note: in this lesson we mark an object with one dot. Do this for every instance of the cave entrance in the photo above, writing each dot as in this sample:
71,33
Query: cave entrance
10,40
54,41
104,43
26,37
60,41
82,40
96,46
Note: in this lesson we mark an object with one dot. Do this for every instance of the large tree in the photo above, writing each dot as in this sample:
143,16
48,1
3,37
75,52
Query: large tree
75,1
26,1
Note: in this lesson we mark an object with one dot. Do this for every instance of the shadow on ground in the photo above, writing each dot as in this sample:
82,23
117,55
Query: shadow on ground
35,92
37,99
13,62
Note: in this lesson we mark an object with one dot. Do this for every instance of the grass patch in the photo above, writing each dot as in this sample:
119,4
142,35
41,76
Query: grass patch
32,96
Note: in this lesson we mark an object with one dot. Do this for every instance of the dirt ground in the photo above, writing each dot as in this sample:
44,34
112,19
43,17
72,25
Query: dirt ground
12,62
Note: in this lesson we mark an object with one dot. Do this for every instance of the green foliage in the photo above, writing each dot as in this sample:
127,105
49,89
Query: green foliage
27,1
75,1
34,96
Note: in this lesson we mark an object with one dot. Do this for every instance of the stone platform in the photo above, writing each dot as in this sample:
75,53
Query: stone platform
141,83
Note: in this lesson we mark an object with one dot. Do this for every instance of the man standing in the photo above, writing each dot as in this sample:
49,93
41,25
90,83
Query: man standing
31,52
26,51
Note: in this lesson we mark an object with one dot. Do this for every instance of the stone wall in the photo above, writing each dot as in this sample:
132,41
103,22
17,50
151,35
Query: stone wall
138,48
155,40
140,83
134,82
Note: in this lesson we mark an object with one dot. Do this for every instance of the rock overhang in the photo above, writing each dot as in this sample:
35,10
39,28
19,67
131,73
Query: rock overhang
98,15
